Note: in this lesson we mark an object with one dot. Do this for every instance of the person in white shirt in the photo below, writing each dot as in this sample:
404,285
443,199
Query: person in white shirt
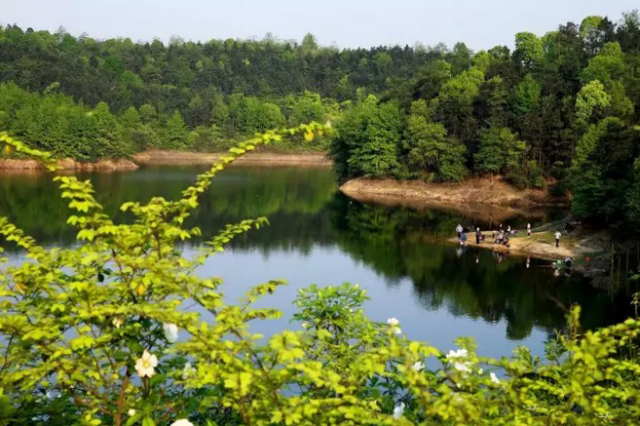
528,229
558,235
459,230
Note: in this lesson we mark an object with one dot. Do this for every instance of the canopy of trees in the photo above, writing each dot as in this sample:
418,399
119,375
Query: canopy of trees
562,106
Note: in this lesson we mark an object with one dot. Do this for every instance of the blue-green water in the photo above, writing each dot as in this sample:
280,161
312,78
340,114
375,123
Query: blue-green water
318,235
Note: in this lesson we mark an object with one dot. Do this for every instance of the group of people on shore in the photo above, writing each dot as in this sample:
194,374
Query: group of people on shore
500,236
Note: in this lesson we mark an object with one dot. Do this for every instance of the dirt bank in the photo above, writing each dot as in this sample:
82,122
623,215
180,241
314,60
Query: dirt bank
540,245
67,164
495,214
161,157
476,191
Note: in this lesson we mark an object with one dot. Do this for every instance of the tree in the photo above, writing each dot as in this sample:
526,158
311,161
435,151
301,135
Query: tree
175,133
527,95
602,172
430,78
591,99
455,104
108,140
130,119
148,114
528,51
307,108
460,58
595,32
499,151
429,149
629,31
607,65
367,140
309,43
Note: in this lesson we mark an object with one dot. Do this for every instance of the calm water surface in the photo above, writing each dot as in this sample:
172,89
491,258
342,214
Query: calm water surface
319,236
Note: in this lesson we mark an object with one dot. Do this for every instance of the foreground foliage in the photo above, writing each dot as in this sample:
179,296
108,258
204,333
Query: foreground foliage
121,330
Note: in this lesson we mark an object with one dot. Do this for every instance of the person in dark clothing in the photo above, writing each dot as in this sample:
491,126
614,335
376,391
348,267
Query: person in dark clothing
478,235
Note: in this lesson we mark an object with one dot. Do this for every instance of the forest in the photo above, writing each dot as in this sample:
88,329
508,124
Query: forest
557,108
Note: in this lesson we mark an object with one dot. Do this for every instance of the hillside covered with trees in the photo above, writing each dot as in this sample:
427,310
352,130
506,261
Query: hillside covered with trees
565,106
184,95
561,105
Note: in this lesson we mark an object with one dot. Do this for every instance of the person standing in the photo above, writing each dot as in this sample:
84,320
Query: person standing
528,229
558,235
463,239
459,230
478,233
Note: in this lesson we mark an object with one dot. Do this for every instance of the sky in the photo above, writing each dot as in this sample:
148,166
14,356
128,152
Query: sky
481,24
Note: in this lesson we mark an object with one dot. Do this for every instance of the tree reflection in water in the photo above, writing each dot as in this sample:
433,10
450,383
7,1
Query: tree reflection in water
305,210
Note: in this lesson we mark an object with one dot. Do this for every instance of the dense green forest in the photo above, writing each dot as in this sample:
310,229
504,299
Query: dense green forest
123,96
561,106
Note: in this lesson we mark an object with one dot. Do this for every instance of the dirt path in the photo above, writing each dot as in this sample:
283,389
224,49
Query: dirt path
475,191
162,157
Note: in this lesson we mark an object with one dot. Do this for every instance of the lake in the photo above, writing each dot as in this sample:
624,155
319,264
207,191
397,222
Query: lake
317,235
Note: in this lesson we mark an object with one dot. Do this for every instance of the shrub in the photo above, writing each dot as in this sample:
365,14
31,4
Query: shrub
106,332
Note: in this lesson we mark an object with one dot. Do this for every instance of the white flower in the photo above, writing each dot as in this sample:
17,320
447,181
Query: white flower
117,322
462,367
182,422
398,410
394,323
187,371
460,353
170,332
494,378
305,325
131,412
418,366
480,371
146,364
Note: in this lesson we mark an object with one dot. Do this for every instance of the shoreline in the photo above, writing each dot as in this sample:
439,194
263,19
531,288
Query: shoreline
489,200
496,213
167,158
11,165
177,158
525,246
540,245
475,191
